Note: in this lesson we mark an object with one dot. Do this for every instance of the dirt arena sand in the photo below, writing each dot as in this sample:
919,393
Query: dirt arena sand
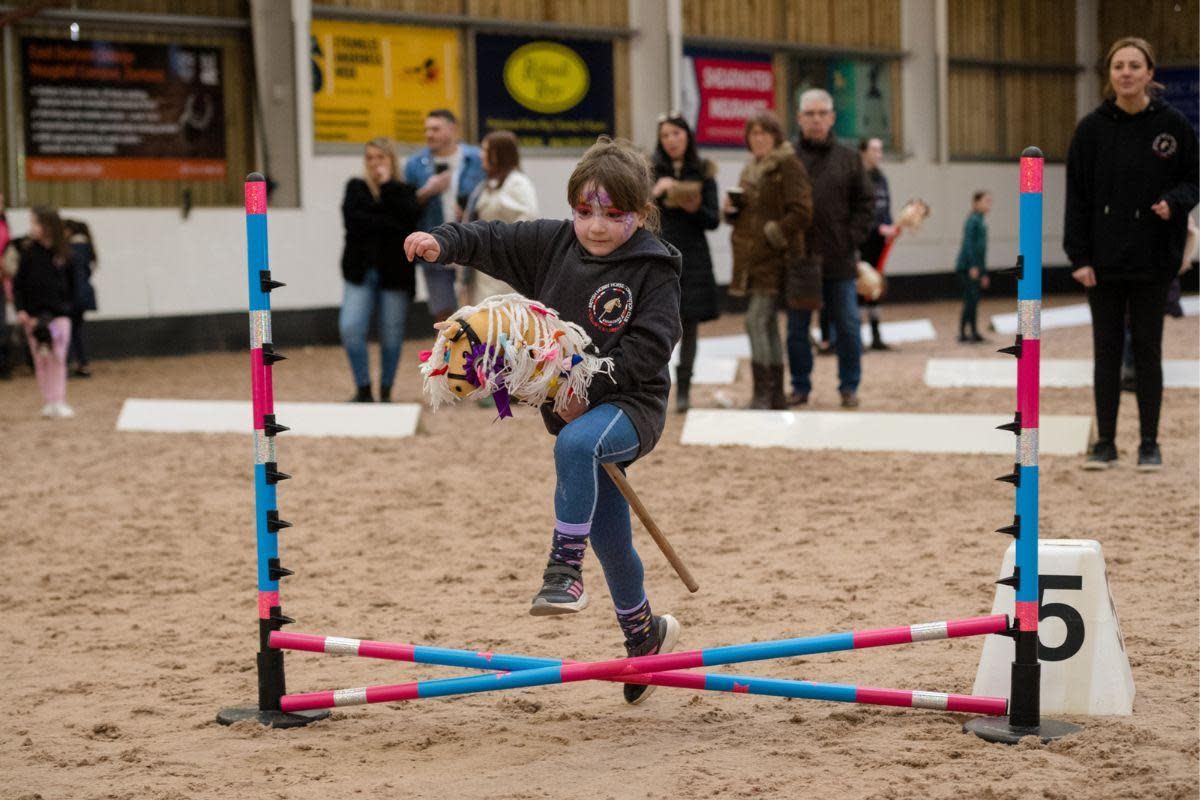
127,606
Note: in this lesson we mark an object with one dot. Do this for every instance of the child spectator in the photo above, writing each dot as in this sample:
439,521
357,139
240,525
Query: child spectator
971,267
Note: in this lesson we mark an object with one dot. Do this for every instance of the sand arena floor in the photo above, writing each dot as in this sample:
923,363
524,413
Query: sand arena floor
127,606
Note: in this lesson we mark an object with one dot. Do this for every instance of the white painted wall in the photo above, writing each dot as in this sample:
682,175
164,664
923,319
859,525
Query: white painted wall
154,263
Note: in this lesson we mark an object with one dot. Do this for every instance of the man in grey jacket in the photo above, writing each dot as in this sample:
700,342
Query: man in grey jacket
843,207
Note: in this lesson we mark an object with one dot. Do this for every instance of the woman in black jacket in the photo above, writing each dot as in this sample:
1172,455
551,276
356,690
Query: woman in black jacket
379,211
686,194
1131,181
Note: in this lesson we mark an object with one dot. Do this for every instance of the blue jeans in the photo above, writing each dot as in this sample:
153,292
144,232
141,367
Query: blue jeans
586,499
439,283
841,302
354,320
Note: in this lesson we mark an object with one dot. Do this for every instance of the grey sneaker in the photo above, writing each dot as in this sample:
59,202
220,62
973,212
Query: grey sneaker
1149,456
664,639
1103,456
849,400
561,593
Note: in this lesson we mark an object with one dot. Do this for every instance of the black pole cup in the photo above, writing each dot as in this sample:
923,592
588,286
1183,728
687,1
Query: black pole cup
271,686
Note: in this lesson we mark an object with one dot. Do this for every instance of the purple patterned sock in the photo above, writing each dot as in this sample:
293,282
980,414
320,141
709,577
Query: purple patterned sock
569,543
636,623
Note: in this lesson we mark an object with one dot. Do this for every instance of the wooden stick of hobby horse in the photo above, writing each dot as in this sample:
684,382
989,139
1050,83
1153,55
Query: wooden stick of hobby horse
631,497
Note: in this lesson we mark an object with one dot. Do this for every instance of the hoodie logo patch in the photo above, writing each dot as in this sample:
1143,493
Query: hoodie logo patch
610,307
1164,145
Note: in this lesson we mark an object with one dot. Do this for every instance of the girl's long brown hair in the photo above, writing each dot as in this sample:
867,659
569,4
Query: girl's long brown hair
52,228
504,154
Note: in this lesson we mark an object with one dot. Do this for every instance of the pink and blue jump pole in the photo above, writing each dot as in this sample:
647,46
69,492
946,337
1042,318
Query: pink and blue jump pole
524,671
271,682
1024,717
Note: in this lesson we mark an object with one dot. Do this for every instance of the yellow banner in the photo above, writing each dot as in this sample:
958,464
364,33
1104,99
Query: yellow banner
381,80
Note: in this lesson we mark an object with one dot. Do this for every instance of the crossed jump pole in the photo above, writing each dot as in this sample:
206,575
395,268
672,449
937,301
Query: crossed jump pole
279,709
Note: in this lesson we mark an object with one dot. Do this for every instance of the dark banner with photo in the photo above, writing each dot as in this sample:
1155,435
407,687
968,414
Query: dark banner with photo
98,110
721,90
549,93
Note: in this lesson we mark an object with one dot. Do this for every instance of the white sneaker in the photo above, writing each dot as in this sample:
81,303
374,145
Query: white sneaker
49,410
64,411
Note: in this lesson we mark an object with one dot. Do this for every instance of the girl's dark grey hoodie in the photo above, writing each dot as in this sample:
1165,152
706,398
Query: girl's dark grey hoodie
626,301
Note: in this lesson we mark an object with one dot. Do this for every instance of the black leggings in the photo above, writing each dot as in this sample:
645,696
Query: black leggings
687,346
1143,301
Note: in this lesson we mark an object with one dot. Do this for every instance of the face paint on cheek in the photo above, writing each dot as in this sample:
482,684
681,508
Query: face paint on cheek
627,223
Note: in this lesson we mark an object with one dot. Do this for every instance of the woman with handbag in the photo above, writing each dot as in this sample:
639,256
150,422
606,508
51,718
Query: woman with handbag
769,213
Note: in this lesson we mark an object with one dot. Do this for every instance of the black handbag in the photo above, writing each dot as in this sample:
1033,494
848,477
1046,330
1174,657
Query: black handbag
802,282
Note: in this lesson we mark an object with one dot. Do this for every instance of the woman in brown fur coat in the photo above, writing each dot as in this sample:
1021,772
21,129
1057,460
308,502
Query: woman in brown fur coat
769,219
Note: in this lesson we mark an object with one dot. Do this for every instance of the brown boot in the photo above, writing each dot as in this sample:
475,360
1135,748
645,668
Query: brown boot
775,396
760,399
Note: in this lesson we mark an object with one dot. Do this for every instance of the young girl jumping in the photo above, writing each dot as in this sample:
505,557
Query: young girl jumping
604,271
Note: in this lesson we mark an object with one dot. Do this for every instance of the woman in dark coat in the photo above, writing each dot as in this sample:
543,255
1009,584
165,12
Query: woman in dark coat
1131,182
378,210
686,193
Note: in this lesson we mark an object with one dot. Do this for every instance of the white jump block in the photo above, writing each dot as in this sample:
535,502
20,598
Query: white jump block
875,432
738,345
710,370
1076,315
1001,373
1085,669
374,420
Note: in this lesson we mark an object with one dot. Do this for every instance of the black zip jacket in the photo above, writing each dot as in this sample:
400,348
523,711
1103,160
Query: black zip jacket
1118,166
843,203
626,301
42,285
375,233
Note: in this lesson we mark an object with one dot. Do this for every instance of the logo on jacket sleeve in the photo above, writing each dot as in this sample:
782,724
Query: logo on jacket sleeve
1164,145
610,307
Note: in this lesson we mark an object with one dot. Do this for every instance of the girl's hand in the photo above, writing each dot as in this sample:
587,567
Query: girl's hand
443,325
1086,276
662,186
423,246
1162,208
573,410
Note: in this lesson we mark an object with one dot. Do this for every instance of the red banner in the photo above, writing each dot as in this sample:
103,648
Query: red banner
729,92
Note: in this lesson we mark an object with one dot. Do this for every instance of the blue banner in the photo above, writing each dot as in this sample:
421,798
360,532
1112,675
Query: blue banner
550,93
1182,91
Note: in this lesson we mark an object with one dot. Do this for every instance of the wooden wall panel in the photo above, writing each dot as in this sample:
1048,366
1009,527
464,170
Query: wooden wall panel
621,89
5,188
1172,28
972,28
852,23
199,8
885,24
452,7
239,141
974,112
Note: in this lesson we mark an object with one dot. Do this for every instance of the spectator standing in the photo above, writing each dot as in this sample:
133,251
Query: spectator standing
83,264
971,267
1131,181
447,170
769,220
685,191
506,195
843,208
871,152
42,295
378,212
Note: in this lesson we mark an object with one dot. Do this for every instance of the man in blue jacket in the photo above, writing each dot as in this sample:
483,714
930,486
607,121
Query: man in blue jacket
447,171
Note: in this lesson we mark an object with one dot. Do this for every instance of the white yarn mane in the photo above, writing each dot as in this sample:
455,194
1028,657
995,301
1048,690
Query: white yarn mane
508,316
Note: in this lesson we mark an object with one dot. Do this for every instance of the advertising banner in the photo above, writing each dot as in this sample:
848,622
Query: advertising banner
1181,90
549,93
862,96
97,110
721,90
381,80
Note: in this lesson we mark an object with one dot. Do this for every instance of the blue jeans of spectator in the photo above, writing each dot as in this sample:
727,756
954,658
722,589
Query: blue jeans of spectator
358,302
439,283
841,301
586,495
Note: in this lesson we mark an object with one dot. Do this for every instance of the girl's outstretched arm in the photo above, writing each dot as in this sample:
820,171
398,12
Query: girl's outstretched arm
516,253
